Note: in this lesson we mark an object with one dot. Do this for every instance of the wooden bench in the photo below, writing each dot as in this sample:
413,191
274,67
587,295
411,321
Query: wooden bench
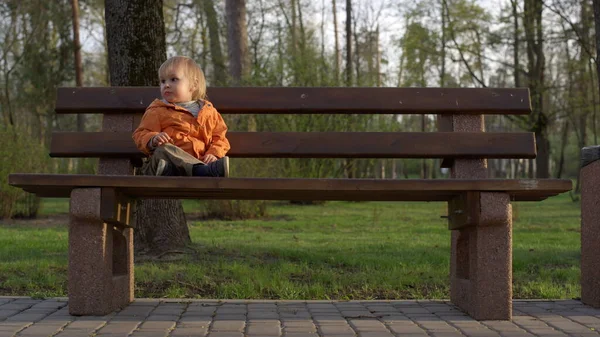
100,231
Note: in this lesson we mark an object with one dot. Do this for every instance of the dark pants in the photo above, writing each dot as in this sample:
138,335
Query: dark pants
181,161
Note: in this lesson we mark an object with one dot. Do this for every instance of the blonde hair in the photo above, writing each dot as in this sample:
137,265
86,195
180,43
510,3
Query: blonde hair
191,70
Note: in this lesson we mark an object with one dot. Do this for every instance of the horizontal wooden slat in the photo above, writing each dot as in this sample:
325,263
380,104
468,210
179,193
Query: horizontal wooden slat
321,145
60,185
301,100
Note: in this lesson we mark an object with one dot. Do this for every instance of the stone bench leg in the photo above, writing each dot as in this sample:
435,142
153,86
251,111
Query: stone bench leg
481,239
100,258
590,226
481,257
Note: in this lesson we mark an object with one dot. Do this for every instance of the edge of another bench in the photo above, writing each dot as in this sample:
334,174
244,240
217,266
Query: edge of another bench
60,185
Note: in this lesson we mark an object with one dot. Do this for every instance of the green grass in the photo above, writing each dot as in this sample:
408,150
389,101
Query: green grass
340,250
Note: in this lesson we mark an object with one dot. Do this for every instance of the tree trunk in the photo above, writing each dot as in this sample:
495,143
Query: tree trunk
516,42
337,45
563,145
582,84
302,41
356,59
135,35
219,70
348,43
443,48
536,62
293,31
237,40
77,53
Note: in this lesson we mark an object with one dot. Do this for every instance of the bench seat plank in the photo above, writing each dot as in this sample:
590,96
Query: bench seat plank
321,144
304,100
60,185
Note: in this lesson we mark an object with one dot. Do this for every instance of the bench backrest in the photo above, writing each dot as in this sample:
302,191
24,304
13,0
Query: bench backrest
123,108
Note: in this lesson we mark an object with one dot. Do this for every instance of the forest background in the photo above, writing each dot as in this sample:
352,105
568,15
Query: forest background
548,46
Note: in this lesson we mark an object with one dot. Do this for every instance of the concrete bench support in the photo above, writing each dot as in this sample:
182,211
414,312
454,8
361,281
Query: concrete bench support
481,238
481,260
100,258
590,226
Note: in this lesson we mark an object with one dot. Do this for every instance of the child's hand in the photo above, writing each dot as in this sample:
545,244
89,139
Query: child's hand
161,139
208,158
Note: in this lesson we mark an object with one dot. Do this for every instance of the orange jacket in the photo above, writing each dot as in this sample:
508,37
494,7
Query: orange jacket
196,136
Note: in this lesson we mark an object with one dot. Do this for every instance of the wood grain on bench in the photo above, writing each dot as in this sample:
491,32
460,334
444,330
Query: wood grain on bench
253,100
321,145
60,185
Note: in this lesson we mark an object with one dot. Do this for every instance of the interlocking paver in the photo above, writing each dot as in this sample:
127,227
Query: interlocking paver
11,328
262,315
262,329
26,317
15,306
81,328
189,332
152,328
226,334
239,318
43,329
4,314
229,325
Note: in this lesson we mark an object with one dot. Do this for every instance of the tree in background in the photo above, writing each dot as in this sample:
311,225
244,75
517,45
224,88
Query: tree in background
237,40
218,61
536,63
136,49
35,58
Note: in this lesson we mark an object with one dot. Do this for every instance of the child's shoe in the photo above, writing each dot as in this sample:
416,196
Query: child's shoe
219,168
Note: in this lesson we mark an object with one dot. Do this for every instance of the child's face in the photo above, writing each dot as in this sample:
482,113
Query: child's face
175,87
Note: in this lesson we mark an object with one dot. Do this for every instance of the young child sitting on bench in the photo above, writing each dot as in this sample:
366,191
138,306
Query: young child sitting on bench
183,132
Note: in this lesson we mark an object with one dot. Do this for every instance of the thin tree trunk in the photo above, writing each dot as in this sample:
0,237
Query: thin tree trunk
237,40
516,42
563,145
77,52
135,35
443,51
356,52
239,59
293,31
536,63
583,85
220,72
377,58
280,57
348,43
302,41
204,40
594,80
349,164
337,45
323,75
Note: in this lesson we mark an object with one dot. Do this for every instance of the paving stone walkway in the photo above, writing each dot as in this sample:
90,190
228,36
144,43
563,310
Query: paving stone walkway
23,316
